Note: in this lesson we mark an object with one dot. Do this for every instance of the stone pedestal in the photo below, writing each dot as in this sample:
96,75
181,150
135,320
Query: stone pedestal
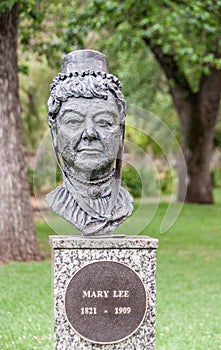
73,257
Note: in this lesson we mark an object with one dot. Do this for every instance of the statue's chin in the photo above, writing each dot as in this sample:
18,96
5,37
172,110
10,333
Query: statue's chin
90,168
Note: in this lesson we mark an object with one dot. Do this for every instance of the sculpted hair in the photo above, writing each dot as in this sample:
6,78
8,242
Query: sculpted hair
87,84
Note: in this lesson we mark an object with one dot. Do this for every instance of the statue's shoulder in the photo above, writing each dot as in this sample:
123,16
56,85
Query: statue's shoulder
57,197
125,201
125,195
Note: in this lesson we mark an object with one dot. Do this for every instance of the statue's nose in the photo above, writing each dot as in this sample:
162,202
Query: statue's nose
90,134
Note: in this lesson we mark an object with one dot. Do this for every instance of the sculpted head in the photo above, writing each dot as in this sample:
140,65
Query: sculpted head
86,116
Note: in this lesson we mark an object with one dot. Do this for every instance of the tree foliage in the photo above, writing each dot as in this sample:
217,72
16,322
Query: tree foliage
34,93
184,37
187,30
44,30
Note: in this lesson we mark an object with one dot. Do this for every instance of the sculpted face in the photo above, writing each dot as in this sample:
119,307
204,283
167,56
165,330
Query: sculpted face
89,133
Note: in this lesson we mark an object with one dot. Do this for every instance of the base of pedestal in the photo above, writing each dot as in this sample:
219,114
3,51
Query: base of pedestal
72,254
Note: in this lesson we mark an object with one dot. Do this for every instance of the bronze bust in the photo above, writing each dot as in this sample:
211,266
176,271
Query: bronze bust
86,116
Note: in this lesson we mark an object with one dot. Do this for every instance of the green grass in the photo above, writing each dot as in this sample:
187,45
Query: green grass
26,318
188,285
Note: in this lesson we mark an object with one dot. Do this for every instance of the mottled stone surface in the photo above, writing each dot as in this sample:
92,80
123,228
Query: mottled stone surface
118,242
72,253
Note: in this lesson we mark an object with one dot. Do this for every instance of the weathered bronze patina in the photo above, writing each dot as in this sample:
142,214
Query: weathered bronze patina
105,302
86,116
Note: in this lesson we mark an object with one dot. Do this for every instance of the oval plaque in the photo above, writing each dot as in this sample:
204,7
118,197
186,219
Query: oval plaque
105,302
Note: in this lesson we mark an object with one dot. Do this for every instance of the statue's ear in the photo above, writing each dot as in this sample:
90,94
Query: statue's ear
121,105
54,134
54,137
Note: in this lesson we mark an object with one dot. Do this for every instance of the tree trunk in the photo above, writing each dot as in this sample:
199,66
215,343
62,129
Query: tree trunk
198,115
17,233
197,143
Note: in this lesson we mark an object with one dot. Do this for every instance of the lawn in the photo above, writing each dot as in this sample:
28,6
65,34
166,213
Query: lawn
188,284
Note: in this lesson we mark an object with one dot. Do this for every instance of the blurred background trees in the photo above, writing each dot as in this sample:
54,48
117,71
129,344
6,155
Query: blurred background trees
184,38
17,232
167,55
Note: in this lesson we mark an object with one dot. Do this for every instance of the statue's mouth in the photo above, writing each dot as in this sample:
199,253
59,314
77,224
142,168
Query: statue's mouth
89,150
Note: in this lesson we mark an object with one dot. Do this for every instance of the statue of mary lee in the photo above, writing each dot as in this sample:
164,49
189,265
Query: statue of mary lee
86,116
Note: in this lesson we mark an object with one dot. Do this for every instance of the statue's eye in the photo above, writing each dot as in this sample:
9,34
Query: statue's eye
74,121
104,122
71,118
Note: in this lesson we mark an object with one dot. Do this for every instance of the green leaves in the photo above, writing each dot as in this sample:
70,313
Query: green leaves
48,29
7,4
186,30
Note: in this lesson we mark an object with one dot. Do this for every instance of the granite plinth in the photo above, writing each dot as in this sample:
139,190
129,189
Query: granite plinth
72,253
